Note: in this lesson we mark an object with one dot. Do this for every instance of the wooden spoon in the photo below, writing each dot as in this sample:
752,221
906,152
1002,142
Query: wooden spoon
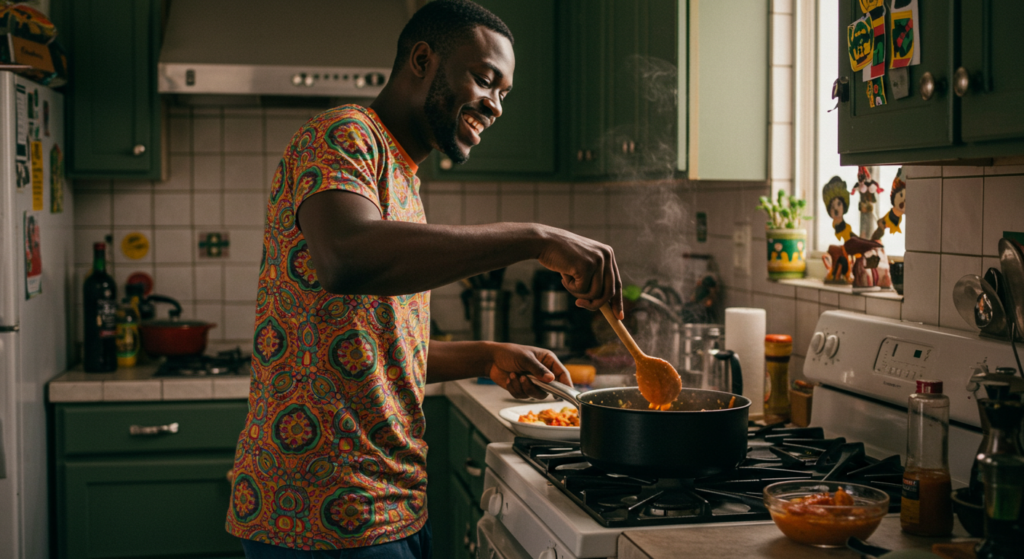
657,379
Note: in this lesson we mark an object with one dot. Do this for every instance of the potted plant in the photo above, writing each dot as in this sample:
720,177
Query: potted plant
787,242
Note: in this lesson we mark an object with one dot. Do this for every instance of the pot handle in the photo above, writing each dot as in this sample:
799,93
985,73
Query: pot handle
558,390
737,375
175,313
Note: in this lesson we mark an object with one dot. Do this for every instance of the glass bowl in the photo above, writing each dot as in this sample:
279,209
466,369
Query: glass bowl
825,525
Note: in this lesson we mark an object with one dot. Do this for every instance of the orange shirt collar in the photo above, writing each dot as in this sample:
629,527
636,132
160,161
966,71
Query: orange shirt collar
408,160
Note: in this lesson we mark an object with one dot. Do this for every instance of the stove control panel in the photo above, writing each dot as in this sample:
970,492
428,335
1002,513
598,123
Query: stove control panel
883,358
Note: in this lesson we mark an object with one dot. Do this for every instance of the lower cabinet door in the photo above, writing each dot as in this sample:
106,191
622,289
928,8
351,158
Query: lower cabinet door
148,508
464,521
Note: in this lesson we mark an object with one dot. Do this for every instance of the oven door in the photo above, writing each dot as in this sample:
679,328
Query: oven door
494,542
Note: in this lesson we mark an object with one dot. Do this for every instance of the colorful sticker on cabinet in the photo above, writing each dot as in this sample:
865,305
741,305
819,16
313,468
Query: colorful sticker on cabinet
21,126
876,92
37,176
877,67
868,5
56,179
904,34
135,246
859,41
33,258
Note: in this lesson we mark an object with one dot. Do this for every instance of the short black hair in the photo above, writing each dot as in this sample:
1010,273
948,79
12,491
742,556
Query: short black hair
444,25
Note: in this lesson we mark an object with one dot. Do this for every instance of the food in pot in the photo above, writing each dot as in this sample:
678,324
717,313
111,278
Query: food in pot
565,417
807,514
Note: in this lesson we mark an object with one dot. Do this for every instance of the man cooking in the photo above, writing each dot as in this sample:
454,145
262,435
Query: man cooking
332,455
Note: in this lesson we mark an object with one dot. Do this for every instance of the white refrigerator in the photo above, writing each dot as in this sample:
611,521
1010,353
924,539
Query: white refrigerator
36,294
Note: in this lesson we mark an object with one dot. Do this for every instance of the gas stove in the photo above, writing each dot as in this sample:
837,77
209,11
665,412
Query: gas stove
774,454
231,362
544,500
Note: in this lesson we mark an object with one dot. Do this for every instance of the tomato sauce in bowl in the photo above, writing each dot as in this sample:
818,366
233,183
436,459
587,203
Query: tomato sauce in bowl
825,514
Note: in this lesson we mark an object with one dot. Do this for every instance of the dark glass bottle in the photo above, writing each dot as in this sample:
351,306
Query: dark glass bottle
100,302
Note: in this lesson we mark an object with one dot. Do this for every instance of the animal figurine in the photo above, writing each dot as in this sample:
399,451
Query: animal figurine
867,188
871,267
837,264
837,202
891,221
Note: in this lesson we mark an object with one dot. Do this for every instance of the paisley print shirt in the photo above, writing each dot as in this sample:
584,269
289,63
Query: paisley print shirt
332,454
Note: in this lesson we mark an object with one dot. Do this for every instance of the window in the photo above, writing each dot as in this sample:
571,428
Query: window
827,132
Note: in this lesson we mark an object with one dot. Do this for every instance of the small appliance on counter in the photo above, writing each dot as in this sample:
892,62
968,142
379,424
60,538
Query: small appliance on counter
551,317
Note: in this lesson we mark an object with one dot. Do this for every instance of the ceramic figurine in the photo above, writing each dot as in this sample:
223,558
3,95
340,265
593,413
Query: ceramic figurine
837,265
891,221
867,188
871,267
837,202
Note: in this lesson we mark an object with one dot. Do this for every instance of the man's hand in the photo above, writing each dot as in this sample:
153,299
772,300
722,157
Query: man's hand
588,268
510,365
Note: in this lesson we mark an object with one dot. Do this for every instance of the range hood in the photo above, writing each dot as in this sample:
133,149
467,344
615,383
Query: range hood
323,48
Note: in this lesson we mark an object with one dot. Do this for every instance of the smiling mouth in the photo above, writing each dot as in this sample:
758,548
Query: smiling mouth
901,205
474,125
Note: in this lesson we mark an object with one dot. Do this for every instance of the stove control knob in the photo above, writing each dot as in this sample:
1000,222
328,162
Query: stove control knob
831,345
548,553
817,342
494,503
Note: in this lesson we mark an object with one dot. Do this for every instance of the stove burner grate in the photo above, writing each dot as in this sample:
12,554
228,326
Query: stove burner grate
774,454
231,362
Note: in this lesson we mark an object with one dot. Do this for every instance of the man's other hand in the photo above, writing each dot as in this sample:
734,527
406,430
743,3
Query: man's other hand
511,364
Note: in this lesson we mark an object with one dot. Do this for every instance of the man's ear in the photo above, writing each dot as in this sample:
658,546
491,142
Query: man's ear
421,58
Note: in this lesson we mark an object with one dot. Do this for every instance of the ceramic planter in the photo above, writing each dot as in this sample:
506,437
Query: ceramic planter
786,253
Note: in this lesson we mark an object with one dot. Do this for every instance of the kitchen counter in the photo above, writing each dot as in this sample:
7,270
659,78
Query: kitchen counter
758,540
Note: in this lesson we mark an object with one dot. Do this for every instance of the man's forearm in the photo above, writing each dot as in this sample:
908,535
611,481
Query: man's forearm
393,258
457,360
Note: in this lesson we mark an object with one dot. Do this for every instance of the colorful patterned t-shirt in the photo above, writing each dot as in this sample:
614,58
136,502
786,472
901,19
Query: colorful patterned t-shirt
332,454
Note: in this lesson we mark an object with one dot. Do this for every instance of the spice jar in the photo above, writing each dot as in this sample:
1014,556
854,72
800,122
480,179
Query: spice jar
925,507
777,349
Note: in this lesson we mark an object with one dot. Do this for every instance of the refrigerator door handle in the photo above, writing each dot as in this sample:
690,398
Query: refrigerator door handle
14,328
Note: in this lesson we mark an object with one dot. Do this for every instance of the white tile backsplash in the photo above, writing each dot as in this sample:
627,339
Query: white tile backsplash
921,291
481,208
239,321
206,209
244,172
925,197
179,174
243,134
954,267
209,278
172,209
883,307
962,215
174,281
1004,210
244,208
589,209
553,209
133,208
240,282
173,246
93,208
206,135
518,206
209,172
246,245
782,40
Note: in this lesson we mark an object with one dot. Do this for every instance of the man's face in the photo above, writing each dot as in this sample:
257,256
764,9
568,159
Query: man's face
467,91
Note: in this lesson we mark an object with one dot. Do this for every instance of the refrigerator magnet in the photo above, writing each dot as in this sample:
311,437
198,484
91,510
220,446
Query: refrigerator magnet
33,258
56,180
876,92
37,175
860,41
21,126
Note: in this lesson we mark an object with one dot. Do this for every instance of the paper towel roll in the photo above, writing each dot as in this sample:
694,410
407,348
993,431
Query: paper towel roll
744,334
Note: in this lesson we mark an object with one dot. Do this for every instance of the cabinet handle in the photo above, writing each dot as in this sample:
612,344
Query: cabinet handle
579,155
589,155
472,469
930,85
138,150
151,430
632,147
961,81
625,147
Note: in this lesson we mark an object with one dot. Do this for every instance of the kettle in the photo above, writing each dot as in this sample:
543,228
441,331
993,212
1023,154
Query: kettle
725,374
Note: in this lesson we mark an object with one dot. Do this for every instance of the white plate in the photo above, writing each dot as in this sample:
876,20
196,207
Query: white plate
539,430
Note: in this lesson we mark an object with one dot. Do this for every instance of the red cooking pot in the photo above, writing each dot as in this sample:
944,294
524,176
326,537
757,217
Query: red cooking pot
173,337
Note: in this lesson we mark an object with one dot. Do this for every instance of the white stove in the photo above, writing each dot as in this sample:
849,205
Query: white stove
865,367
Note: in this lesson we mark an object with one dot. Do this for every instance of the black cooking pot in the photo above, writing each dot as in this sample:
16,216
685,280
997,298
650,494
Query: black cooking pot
701,435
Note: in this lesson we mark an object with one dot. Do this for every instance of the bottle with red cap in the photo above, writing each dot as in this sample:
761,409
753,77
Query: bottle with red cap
926,509
99,298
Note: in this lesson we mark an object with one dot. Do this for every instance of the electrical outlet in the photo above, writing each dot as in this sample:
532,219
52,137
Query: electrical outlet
741,240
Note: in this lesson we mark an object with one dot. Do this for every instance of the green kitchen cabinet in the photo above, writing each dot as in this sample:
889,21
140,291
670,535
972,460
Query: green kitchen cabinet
584,116
522,141
466,453
911,122
435,408
970,58
165,495
990,56
113,107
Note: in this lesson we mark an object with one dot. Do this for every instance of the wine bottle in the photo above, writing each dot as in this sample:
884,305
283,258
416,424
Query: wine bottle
100,302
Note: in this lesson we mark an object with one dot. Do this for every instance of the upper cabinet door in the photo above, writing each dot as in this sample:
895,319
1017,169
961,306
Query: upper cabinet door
991,54
585,22
114,108
522,140
910,122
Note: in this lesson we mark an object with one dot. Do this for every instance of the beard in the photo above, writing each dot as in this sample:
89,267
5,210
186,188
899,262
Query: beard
440,111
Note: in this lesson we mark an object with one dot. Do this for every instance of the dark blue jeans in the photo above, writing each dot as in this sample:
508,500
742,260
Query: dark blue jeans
416,546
